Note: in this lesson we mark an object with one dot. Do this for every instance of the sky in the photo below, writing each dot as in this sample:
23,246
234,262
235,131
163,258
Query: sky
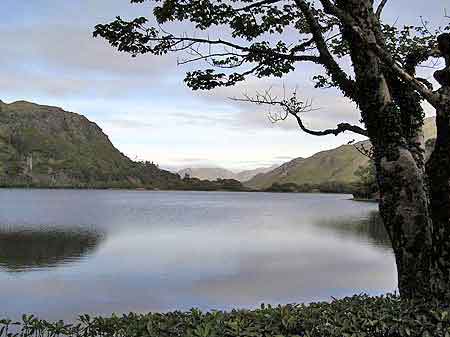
48,56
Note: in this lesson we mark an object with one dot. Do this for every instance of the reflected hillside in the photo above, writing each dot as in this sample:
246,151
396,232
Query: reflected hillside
26,249
369,228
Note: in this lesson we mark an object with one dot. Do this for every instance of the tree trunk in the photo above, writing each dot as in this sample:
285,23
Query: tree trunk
438,172
404,209
404,202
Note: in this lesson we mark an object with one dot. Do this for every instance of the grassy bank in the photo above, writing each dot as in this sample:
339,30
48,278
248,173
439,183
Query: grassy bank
386,316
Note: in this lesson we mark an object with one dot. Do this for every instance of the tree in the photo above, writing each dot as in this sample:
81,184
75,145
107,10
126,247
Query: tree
367,184
266,38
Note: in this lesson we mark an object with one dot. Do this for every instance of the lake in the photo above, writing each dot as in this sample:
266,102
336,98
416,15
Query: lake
66,252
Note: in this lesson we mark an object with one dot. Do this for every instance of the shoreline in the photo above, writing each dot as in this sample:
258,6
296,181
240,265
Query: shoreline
167,190
364,200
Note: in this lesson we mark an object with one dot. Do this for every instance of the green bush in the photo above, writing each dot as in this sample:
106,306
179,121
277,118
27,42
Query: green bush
385,316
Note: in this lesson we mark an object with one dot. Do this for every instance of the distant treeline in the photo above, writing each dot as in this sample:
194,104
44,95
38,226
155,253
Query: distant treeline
195,184
133,175
328,187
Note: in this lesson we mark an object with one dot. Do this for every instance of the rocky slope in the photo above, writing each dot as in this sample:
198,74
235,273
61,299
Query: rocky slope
336,165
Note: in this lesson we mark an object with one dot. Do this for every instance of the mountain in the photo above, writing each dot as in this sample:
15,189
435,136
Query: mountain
47,146
213,173
249,174
336,165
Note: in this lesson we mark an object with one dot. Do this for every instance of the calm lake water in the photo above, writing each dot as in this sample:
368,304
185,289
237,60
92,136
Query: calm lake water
64,252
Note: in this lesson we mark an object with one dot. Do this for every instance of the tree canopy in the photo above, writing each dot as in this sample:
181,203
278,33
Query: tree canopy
268,38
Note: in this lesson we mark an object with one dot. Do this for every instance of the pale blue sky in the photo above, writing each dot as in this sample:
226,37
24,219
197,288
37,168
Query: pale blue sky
48,56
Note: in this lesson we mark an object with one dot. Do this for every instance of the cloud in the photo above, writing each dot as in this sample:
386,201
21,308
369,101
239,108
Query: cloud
127,124
72,48
205,118
192,160
63,60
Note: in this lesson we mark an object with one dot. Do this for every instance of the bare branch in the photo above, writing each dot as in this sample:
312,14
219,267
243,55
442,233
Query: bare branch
365,152
425,25
380,8
303,46
257,4
294,107
337,74
342,127
199,56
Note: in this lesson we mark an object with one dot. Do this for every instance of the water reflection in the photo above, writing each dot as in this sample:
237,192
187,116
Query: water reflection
370,227
23,249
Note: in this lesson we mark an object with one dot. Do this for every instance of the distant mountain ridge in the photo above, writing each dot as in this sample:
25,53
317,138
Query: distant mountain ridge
336,165
213,173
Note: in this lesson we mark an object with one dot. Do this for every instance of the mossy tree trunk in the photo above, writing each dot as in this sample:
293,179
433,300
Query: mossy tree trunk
438,172
415,216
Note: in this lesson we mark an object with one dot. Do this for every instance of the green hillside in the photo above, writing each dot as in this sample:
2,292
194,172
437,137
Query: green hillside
43,146
337,165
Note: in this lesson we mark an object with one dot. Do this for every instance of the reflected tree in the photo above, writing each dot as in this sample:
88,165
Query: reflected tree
370,228
27,249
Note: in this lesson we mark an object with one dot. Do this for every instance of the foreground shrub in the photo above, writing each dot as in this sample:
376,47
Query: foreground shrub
385,316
